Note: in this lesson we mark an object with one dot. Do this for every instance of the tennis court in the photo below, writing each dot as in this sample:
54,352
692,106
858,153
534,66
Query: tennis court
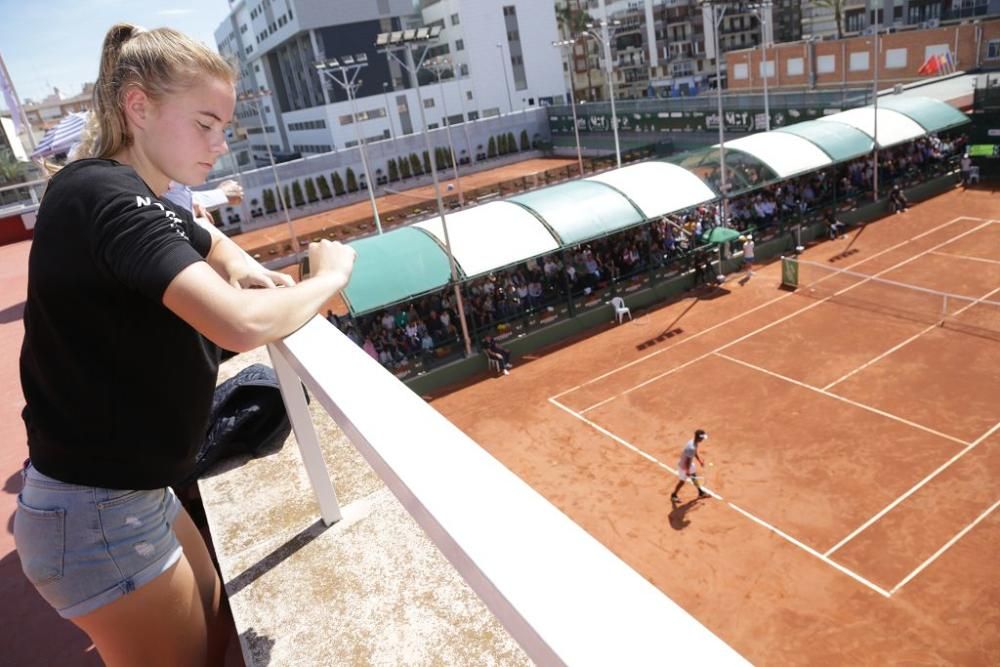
854,435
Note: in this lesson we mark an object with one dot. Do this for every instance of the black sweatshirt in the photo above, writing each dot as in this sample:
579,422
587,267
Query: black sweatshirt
118,388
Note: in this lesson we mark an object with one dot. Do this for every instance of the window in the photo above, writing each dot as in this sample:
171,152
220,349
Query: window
459,44
740,71
826,64
859,61
454,19
766,69
794,67
463,69
429,103
468,95
993,50
895,59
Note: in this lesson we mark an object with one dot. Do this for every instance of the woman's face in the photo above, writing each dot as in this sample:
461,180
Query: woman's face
185,133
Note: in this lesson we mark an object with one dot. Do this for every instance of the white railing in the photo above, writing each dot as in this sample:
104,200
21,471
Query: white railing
564,597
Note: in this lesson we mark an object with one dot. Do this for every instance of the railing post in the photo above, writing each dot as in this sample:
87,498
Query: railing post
293,394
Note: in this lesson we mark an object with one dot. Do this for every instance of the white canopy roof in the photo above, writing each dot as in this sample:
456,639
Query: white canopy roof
657,188
487,237
893,127
787,154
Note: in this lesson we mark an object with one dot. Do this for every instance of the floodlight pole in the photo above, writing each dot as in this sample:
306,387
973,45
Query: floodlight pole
605,41
717,17
876,48
436,67
254,100
411,67
761,11
388,113
506,85
350,73
572,100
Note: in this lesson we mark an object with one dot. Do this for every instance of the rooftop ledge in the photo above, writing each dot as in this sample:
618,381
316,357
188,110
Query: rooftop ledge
424,549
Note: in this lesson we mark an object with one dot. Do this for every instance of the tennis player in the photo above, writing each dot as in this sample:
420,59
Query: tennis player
686,468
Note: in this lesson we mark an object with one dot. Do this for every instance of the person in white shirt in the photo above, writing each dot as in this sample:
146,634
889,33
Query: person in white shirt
686,469
748,254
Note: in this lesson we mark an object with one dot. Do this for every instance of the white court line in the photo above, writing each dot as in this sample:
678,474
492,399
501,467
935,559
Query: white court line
907,341
968,257
947,546
756,308
885,510
857,577
776,322
853,575
838,397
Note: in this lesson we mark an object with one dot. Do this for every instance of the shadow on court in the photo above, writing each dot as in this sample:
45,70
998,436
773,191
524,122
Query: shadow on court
679,514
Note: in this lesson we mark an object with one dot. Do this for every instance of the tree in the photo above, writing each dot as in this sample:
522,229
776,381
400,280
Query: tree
525,142
491,150
269,204
427,162
286,196
837,6
415,165
338,184
511,143
393,170
404,168
297,193
11,169
572,21
439,159
324,188
502,145
311,191
352,181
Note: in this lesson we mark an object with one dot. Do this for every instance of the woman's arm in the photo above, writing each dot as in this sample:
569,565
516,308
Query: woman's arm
241,320
232,263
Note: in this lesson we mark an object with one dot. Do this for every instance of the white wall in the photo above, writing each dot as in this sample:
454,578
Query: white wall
483,27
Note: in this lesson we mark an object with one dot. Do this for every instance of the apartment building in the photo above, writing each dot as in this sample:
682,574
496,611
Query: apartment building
483,44
665,47
850,62
47,113
859,16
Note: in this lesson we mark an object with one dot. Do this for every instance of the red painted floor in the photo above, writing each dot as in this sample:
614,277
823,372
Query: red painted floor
30,632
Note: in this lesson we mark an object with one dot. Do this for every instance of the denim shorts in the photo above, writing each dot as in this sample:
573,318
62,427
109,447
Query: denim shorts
83,547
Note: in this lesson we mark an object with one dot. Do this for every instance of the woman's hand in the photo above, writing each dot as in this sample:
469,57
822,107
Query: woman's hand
331,257
245,275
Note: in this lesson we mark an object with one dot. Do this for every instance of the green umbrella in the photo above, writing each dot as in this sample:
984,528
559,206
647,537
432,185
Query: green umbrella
721,235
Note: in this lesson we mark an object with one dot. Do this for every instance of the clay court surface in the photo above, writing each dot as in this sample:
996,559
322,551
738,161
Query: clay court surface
856,453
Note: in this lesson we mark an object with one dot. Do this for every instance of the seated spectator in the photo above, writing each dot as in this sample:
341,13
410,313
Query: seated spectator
834,227
493,350
897,200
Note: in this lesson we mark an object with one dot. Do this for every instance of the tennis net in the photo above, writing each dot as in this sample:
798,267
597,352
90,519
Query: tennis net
978,317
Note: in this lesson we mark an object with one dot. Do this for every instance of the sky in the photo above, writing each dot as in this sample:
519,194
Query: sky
57,43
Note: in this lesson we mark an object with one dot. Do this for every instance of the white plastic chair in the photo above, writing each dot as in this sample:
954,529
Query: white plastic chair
621,310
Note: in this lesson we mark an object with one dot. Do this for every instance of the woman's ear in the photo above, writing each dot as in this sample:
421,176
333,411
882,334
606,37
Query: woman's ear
137,106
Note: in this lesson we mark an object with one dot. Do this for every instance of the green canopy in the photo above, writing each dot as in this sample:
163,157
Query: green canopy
932,115
580,210
395,266
839,141
721,235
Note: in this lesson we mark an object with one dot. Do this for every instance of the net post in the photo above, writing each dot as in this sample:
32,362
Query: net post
789,273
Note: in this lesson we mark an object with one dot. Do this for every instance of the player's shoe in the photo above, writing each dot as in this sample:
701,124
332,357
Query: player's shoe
674,498
702,494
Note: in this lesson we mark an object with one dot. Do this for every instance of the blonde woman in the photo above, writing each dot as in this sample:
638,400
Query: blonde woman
128,303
